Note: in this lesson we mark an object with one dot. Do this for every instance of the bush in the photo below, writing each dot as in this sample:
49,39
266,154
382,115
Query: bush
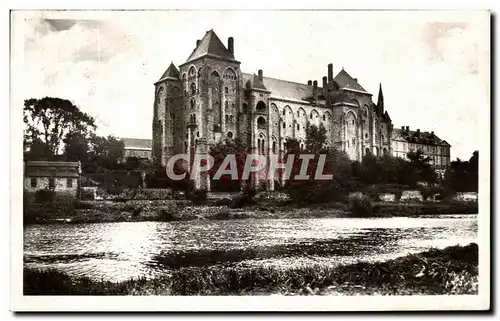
44,196
360,205
198,196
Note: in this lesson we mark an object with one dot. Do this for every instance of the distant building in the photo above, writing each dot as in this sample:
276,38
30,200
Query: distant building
405,140
137,147
61,177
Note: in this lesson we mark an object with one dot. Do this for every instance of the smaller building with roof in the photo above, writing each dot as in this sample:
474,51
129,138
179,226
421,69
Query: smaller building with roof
405,140
61,177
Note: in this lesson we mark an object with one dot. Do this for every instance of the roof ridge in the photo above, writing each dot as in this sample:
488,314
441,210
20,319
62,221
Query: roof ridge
293,82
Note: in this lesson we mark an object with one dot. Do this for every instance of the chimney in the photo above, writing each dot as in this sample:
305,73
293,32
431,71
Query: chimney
432,133
261,77
356,79
230,44
418,132
407,128
402,127
309,83
197,43
330,72
324,86
315,90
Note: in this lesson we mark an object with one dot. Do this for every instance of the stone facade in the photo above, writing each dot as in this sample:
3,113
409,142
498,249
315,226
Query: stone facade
209,99
405,140
61,177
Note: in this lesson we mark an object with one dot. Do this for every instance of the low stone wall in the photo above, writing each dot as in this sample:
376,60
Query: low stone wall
466,196
411,196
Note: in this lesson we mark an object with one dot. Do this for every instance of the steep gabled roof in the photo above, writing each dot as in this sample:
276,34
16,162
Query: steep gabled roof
210,45
346,81
171,73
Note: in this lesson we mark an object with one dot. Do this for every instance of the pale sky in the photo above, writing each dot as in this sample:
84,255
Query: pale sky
433,66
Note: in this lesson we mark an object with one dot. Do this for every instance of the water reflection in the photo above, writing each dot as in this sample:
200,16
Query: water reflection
118,251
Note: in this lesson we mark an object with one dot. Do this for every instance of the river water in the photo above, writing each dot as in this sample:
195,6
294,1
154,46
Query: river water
119,251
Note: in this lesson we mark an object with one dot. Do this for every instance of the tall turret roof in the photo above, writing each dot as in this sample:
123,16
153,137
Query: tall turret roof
171,73
210,45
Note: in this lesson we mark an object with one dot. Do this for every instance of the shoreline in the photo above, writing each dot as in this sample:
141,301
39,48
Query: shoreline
452,270
184,210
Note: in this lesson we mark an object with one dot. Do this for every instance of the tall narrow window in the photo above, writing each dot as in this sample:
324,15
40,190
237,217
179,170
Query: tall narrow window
52,183
274,147
193,89
33,182
226,90
69,183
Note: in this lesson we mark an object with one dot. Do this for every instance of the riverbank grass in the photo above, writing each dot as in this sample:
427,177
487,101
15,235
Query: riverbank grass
453,270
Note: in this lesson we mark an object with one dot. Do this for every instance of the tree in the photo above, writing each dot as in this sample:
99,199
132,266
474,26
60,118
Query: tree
337,164
316,139
76,147
420,167
50,119
463,176
106,152
219,152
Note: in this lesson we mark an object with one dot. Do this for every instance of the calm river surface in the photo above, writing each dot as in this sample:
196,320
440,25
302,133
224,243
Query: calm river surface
119,251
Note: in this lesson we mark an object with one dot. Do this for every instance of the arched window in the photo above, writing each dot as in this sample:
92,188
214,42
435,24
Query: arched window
192,71
185,93
301,146
274,146
229,74
200,72
261,106
227,118
353,121
385,151
284,112
261,122
226,106
298,113
367,151
311,116
230,134
298,126
258,145
324,117
185,147
284,125
231,118
214,75
193,89
197,134
366,135
192,103
226,90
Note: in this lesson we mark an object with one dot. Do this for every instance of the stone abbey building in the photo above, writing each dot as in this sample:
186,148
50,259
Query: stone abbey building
209,98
